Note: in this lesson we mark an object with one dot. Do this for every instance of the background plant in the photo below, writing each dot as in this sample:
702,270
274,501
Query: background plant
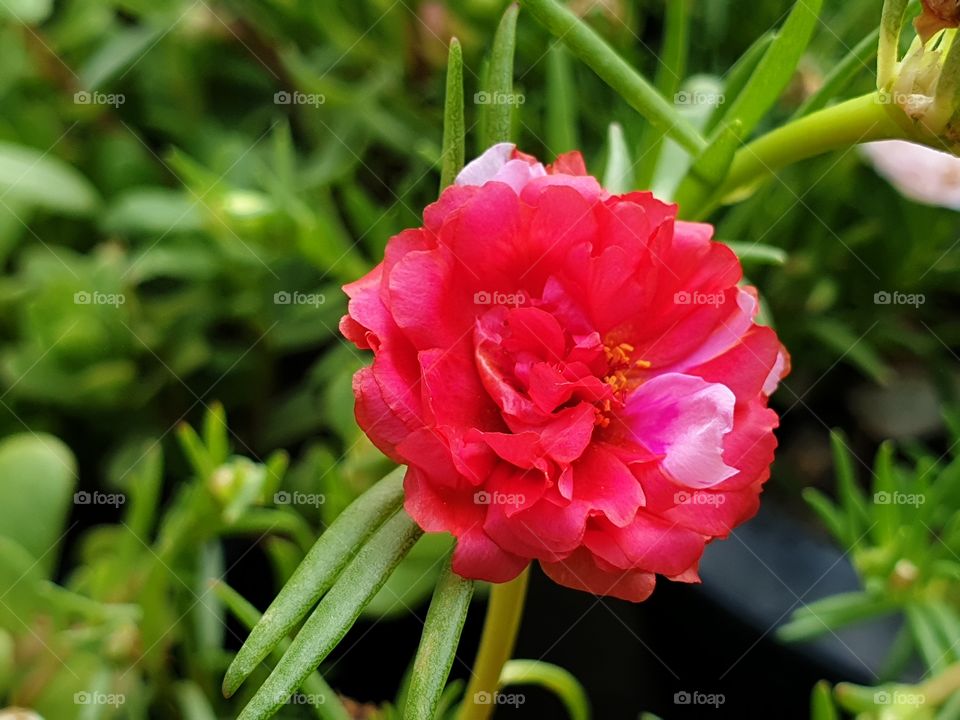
186,244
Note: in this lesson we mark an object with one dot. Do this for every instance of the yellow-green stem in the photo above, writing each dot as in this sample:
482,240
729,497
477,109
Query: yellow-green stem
496,646
862,119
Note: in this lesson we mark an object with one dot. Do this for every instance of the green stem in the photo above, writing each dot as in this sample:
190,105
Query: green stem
861,119
496,646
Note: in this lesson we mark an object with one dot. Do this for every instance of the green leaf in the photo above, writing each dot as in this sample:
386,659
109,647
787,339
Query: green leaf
891,22
776,67
192,701
561,115
840,75
828,513
758,253
852,349
28,12
618,176
932,648
438,644
153,211
496,98
671,70
453,152
335,614
122,47
886,512
559,681
316,574
37,478
32,178
413,580
852,499
832,613
740,74
821,703
636,90
331,708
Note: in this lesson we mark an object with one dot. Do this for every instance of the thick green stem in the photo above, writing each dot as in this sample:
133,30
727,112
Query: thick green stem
861,119
496,646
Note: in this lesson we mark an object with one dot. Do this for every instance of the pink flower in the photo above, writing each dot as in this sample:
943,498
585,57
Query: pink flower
918,172
571,376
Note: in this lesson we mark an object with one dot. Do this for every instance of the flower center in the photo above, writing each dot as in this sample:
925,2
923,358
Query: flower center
621,365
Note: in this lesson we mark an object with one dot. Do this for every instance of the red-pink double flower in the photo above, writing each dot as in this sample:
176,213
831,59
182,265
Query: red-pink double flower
572,377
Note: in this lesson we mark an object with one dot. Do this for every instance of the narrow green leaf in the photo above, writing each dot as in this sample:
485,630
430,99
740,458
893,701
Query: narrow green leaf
775,68
316,574
196,453
671,70
561,119
192,701
453,153
335,614
739,75
31,178
709,169
330,708
438,645
821,702
215,433
496,99
852,499
886,511
757,253
559,681
852,349
829,514
841,75
636,90
618,175
832,613
932,649
891,22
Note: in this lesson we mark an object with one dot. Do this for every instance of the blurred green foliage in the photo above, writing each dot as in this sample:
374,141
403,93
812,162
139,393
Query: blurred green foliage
184,187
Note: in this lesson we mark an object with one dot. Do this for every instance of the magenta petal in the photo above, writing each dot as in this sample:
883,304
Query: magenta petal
684,418
605,483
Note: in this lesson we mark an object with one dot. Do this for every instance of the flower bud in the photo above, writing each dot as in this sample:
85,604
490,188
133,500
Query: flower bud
937,15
